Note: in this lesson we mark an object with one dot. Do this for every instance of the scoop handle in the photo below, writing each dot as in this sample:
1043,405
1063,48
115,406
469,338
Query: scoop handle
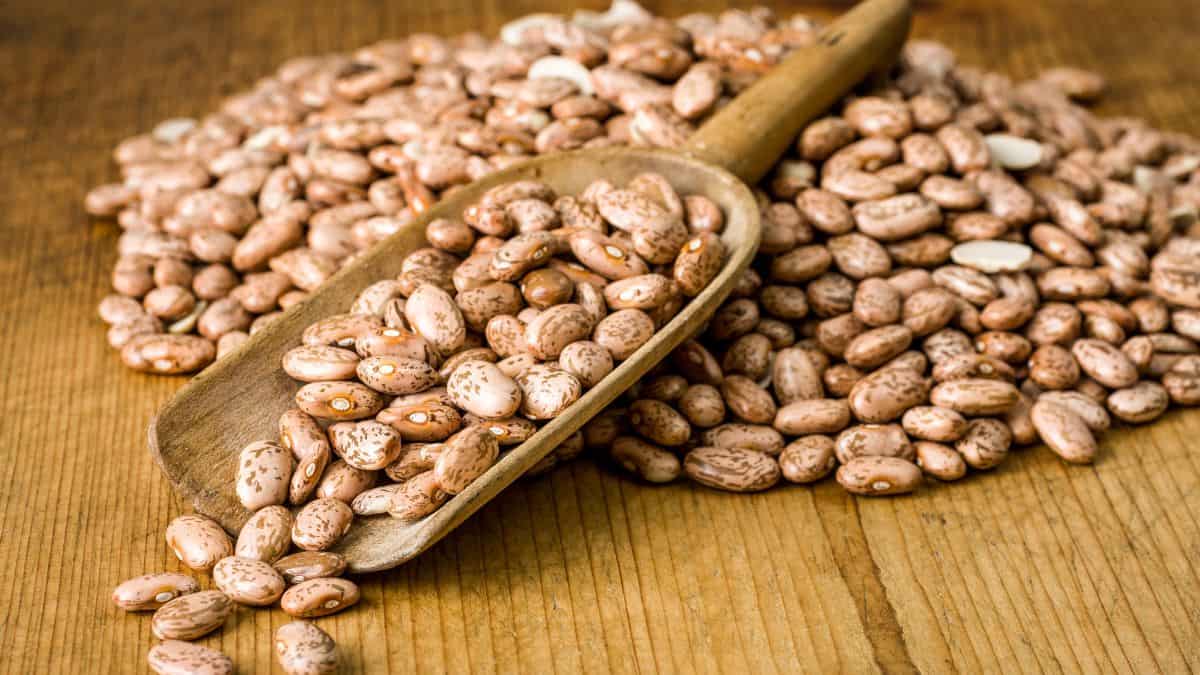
754,130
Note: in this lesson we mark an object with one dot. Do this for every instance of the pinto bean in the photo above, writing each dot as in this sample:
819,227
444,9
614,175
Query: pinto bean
812,416
879,475
985,443
732,469
940,461
886,394
648,461
1064,432
808,459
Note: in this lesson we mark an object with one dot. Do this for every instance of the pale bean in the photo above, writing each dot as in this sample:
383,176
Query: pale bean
199,542
808,459
1064,432
1105,363
483,389
375,501
940,461
659,422
301,648
884,440
886,394
587,361
648,461
151,591
368,445
176,657
344,482
465,457
321,523
1143,402
191,616
932,423
623,332
546,393
812,416
168,354
317,363
747,400
975,396
266,536
876,475
319,597
248,581
732,469
427,421
985,444
435,316
702,405
304,565
1088,408
555,328
338,400
418,497
263,475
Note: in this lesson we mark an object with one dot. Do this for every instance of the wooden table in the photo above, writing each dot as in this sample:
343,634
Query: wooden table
1035,566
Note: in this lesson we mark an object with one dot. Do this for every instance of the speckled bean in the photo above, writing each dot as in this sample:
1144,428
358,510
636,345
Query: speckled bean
248,581
319,597
197,541
808,459
646,460
732,469
266,535
151,591
321,523
301,648
304,565
191,616
176,657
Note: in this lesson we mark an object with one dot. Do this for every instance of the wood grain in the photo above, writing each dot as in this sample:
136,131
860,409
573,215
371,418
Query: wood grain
1033,567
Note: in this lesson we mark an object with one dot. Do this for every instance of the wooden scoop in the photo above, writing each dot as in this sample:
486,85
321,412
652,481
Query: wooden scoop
197,436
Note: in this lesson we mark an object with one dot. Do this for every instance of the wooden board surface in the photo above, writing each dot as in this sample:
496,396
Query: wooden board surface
1033,567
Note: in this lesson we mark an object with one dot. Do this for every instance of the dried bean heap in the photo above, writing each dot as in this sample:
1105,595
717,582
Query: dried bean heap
234,217
953,264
